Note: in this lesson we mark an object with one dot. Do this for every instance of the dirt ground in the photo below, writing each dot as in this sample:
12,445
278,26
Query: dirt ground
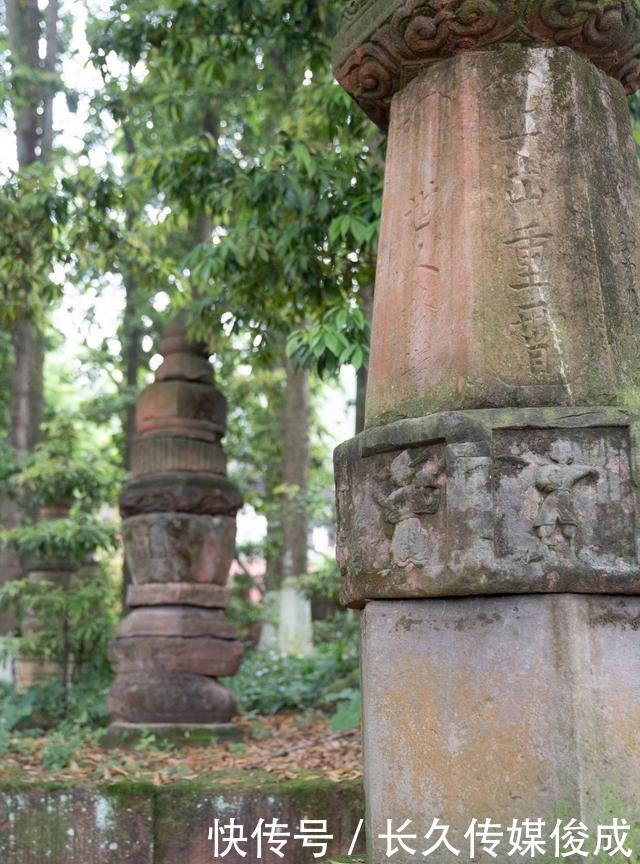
284,747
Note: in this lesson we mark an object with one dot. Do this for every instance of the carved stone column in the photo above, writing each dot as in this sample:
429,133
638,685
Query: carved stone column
179,531
500,454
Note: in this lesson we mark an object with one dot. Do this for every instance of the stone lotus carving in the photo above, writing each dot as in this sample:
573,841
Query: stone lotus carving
382,44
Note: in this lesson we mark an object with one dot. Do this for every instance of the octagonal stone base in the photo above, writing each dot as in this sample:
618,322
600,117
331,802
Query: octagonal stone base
503,708
509,240
505,501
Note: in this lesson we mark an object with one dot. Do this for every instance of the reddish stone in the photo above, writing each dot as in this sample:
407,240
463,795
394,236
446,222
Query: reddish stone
180,493
165,698
185,366
340,805
177,621
181,405
499,283
179,538
382,44
157,454
76,823
199,655
179,593
177,547
174,339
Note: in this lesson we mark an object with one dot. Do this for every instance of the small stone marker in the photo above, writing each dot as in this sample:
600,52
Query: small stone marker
501,444
179,530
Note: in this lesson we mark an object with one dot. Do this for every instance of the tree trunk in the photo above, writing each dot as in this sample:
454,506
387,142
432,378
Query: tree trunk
49,65
34,141
26,382
288,625
296,419
23,26
26,388
132,358
34,136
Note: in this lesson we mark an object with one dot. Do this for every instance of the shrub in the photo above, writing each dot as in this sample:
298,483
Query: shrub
268,683
75,620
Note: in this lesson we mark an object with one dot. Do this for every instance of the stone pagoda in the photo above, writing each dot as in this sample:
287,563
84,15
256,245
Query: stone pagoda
179,531
488,514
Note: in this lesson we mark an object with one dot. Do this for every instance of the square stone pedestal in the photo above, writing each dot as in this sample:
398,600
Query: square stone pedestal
510,707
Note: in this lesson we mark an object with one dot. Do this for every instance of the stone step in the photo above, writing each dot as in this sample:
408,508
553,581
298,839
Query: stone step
139,823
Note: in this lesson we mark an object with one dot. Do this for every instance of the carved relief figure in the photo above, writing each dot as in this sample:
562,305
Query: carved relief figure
416,494
555,480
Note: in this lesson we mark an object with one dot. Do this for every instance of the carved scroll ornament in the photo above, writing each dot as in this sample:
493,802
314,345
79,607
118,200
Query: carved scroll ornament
382,45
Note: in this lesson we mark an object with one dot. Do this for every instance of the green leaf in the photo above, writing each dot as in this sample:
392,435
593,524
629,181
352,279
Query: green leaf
348,714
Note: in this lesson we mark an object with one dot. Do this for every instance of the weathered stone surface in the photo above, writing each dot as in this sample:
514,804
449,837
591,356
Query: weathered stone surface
156,454
181,593
182,407
155,697
199,655
186,815
508,708
490,502
205,494
507,269
179,536
124,823
382,44
177,621
185,366
31,673
174,341
179,547
42,565
76,825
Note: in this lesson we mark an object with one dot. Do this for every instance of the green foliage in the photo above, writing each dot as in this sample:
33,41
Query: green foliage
61,748
75,618
49,218
233,107
81,707
241,610
341,337
268,683
67,613
8,468
60,471
349,711
30,240
323,580
73,537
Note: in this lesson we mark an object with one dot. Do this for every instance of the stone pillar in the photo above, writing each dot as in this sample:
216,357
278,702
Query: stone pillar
179,531
500,454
